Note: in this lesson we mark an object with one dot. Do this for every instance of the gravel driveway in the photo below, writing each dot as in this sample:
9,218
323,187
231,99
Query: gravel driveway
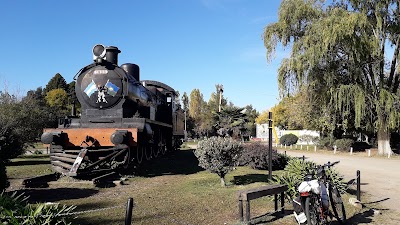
379,176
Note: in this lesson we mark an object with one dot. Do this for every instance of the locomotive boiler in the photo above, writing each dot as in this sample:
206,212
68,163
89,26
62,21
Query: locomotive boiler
123,120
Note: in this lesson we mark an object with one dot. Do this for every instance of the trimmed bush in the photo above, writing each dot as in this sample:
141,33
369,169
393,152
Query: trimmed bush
288,139
344,144
218,155
257,157
326,142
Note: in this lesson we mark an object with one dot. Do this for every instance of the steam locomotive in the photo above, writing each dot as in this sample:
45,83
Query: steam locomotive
123,120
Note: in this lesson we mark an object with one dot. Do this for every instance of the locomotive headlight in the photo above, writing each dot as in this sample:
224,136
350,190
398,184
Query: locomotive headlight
99,51
47,138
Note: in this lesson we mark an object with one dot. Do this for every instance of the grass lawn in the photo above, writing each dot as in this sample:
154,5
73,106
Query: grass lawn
168,190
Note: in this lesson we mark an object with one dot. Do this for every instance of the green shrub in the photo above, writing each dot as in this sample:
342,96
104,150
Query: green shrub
326,142
344,144
218,155
307,138
295,172
14,209
360,146
11,145
288,139
256,155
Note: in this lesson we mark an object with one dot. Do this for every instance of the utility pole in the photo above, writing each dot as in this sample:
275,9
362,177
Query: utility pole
270,145
185,101
220,90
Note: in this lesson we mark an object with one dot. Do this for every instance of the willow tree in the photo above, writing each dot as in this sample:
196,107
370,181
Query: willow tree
346,53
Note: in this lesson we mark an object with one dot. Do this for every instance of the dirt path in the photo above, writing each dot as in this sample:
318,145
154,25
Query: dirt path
379,176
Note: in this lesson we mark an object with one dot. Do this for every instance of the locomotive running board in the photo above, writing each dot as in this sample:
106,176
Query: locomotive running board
77,163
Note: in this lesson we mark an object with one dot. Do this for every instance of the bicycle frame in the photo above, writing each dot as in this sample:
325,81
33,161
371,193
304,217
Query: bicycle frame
316,192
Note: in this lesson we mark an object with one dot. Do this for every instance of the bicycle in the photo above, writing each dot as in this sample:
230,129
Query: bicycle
314,198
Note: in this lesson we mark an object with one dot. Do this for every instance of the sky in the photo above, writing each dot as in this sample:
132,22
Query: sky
186,44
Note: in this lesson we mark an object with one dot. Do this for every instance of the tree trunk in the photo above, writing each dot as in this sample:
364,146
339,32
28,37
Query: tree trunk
384,142
223,181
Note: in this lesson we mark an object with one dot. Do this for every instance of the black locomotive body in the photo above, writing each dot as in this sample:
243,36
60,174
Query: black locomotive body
123,120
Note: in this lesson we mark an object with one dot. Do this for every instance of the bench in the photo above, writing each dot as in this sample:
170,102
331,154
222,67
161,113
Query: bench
254,193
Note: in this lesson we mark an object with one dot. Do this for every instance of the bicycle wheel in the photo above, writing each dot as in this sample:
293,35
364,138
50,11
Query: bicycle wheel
311,210
337,204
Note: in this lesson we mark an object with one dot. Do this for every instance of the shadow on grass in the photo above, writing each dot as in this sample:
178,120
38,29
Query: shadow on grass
271,217
178,162
114,215
28,162
56,194
249,179
362,218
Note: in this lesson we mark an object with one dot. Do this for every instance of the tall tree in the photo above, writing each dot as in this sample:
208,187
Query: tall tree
251,115
339,52
56,82
58,99
196,104
231,122
196,110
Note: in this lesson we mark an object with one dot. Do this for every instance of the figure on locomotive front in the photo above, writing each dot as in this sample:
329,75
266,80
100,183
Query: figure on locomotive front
123,119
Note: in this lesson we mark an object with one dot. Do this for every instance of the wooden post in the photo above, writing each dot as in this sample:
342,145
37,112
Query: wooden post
358,186
351,150
128,214
334,149
315,148
369,152
276,202
270,145
241,210
247,210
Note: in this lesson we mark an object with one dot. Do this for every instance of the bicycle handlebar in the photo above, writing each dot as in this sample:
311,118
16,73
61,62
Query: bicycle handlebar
329,164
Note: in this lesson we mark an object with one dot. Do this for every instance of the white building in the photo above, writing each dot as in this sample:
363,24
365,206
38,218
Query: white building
262,134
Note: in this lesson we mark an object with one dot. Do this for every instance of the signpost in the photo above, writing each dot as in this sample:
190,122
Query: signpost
270,145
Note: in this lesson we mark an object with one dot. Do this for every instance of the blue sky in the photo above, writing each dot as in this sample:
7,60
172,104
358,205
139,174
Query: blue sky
186,44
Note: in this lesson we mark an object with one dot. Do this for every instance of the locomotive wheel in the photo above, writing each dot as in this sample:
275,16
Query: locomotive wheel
127,159
139,154
155,151
148,152
163,149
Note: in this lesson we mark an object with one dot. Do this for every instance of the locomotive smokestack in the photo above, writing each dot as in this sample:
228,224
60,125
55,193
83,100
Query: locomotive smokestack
112,54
